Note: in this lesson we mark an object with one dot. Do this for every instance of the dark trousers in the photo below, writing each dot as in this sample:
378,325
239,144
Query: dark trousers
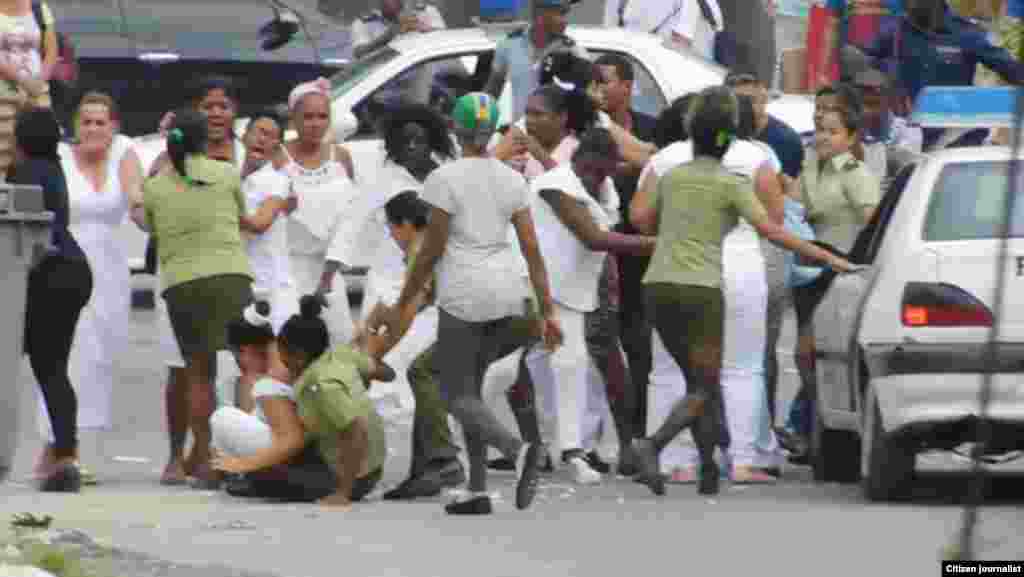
464,352
431,437
635,332
58,290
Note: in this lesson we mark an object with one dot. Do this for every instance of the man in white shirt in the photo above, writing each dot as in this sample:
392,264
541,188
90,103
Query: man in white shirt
375,30
576,206
679,23
485,308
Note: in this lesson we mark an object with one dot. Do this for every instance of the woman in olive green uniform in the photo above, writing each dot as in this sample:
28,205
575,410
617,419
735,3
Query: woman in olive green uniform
695,206
194,208
331,393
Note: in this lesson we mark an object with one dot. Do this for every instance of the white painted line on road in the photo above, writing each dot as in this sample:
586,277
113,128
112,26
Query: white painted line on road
139,460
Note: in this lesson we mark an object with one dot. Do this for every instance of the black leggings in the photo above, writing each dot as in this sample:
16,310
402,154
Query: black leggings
58,290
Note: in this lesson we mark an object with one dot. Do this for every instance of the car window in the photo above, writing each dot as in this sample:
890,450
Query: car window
437,83
968,202
875,230
647,96
354,72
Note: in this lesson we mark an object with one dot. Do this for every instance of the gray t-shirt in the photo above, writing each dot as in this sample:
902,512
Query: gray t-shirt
479,277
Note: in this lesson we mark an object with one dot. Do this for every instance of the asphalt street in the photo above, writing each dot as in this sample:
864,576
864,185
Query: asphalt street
616,528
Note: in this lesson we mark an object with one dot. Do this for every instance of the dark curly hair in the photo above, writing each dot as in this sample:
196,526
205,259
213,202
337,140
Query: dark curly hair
433,123
671,124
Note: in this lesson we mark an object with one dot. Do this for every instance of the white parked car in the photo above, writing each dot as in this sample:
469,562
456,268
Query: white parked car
661,76
901,345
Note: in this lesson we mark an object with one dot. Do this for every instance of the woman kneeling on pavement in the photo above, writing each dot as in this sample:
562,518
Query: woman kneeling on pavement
319,440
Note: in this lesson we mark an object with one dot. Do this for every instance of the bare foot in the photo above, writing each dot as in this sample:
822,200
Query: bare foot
337,502
174,473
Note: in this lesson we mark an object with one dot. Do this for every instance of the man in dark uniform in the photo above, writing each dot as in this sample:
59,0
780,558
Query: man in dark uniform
934,46
751,26
635,332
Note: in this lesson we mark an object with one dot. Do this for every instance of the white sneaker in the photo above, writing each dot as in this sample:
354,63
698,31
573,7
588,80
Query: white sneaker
582,473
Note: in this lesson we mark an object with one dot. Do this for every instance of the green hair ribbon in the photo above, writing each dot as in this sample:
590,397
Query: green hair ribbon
176,135
724,138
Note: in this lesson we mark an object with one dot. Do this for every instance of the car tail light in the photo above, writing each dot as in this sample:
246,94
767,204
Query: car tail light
942,305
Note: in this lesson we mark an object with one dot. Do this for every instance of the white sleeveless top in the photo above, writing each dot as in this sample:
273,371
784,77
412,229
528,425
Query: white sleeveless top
325,195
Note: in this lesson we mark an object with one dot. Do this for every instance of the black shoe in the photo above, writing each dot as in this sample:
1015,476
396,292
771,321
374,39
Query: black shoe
474,506
67,479
240,486
501,464
413,488
597,463
526,485
802,459
710,476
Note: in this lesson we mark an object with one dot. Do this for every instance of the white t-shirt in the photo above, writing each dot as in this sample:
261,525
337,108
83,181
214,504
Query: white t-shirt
479,277
573,269
269,387
268,252
693,26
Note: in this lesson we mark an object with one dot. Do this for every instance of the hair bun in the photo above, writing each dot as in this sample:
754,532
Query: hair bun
310,306
263,308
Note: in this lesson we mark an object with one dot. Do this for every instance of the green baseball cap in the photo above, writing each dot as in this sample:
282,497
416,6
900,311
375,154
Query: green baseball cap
476,113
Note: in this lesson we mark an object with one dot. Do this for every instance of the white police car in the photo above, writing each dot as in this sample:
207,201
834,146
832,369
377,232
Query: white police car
902,344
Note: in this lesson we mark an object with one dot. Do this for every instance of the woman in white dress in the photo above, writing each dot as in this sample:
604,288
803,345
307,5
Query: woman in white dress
104,178
322,179
746,291
217,99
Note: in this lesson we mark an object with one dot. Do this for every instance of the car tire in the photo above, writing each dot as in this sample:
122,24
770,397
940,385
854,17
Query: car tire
887,465
835,453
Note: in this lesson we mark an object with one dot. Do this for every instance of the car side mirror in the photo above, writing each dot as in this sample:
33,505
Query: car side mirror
345,126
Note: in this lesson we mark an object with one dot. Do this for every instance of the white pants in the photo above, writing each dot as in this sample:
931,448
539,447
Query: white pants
743,390
237,433
306,272
561,378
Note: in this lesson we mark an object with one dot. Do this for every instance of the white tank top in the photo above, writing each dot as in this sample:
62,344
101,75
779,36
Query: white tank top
325,194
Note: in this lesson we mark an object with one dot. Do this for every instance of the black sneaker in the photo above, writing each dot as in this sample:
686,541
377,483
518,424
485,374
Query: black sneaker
597,463
526,484
473,506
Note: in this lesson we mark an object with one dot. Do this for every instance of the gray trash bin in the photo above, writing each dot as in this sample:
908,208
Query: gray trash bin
24,236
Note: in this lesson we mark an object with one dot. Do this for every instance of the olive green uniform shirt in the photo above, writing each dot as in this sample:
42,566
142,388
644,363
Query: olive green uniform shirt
698,204
330,395
196,226
836,195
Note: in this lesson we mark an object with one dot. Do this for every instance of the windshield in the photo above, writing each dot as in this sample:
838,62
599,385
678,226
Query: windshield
354,72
